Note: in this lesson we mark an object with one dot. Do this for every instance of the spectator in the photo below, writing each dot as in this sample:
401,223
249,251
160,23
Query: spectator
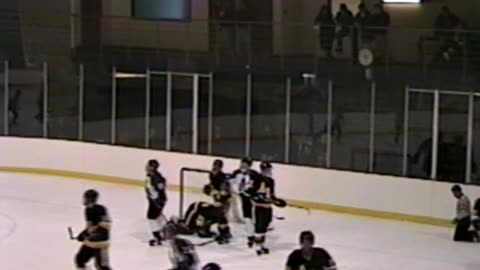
326,26
344,20
425,151
243,31
455,161
445,22
226,26
13,107
463,217
362,21
453,48
380,20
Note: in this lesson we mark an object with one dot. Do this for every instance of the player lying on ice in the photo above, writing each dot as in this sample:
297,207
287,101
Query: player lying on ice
200,217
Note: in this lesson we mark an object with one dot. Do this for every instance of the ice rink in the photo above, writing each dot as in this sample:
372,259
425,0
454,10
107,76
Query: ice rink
36,210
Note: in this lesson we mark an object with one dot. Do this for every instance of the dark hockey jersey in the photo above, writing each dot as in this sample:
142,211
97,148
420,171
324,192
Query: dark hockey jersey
182,254
217,179
94,215
220,187
319,260
262,191
202,213
155,186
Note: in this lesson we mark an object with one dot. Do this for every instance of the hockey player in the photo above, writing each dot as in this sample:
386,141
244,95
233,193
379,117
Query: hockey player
242,179
155,185
181,252
463,217
309,257
95,238
199,218
219,187
262,194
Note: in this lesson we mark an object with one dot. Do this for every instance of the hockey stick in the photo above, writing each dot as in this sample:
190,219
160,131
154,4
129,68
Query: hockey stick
299,207
205,243
70,233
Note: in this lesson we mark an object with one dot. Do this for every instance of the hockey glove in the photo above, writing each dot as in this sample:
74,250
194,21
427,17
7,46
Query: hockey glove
207,189
280,203
82,236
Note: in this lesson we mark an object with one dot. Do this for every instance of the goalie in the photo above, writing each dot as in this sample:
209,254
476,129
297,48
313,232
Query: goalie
200,217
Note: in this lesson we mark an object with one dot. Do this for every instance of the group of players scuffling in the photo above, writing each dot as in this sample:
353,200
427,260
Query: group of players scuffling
245,190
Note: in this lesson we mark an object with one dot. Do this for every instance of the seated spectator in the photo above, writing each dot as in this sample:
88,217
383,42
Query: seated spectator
326,29
445,22
344,20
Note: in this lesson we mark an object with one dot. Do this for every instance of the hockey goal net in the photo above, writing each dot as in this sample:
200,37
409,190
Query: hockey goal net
191,185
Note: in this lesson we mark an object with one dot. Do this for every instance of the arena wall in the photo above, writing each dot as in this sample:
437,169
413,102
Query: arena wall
353,193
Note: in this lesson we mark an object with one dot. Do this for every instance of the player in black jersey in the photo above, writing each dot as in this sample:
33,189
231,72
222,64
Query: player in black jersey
95,238
262,195
181,252
200,217
242,179
309,257
155,185
219,187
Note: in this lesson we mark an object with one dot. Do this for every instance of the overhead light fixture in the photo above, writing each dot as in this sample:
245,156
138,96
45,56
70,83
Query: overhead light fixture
402,1
123,75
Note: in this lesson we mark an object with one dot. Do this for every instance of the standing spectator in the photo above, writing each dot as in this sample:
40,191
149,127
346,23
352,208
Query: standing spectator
425,151
326,26
456,161
226,26
380,21
14,107
445,22
344,20
244,29
462,220
362,21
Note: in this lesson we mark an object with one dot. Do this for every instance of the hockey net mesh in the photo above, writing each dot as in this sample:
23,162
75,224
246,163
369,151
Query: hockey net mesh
191,185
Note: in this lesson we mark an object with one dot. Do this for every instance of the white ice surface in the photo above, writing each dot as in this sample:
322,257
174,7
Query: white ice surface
35,212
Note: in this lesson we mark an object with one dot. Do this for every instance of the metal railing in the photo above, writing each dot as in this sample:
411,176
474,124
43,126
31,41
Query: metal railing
302,120
267,90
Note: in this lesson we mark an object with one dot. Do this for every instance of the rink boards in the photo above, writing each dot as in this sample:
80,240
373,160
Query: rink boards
348,192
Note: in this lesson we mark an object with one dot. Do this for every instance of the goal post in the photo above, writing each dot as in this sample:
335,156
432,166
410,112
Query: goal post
184,172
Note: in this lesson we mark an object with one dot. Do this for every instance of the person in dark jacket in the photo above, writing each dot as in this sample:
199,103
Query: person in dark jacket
363,20
380,20
326,26
344,20
445,23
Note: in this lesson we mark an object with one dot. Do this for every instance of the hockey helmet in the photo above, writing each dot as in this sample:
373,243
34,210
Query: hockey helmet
247,161
265,165
90,196
307,236
211,266
153,163
456,188
218,163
